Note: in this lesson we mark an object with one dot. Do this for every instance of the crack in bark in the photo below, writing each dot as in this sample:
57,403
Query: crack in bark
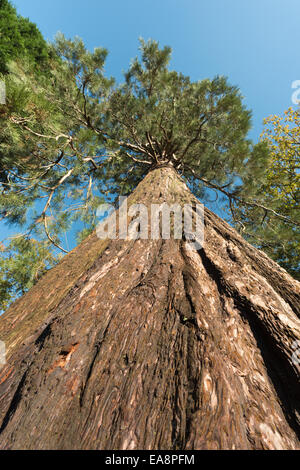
14,403
88,376
277,366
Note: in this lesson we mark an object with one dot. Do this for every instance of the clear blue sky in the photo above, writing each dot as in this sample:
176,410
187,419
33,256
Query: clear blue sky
255,43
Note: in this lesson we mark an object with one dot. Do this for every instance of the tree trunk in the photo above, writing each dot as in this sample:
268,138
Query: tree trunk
149,344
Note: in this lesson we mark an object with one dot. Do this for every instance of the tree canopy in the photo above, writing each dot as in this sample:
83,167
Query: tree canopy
73,138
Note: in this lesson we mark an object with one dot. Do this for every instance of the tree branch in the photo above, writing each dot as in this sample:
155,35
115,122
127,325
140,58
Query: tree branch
242,200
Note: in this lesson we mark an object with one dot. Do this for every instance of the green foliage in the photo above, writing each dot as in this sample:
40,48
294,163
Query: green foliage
18,38
199,127
22,264
281,191
20,43
71,139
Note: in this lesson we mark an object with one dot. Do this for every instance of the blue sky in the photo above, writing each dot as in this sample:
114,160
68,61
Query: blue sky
255,43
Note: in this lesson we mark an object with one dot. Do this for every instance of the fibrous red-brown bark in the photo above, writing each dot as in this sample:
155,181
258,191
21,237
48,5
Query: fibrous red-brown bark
147,344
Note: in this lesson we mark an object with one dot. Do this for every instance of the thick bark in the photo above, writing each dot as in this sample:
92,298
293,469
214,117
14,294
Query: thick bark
149,344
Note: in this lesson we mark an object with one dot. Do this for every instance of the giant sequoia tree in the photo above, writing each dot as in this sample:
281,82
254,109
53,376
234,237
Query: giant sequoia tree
145,344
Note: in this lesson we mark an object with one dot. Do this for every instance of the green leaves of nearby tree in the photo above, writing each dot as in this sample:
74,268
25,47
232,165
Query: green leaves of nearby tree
18,38
272,230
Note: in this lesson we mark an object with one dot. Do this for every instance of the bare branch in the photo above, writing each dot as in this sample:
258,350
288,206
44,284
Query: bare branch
151,146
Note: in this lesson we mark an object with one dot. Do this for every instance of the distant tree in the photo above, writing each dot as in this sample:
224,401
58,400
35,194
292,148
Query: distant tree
72,139
279,238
